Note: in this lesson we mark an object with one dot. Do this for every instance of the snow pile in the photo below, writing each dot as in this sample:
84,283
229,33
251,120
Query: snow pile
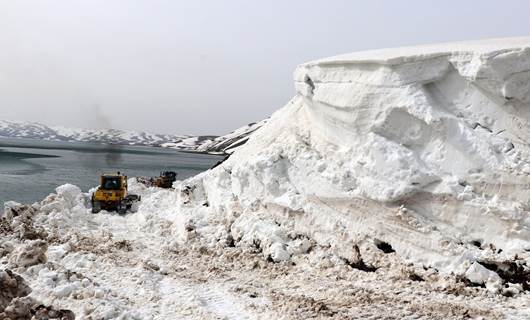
174,259
23,248
58,259
15,303
422,149
104,266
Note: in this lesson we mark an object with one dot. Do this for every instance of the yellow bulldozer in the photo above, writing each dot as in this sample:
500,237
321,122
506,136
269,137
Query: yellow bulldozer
112,194
165,180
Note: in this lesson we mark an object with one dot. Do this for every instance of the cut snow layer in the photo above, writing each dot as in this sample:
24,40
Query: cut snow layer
423,148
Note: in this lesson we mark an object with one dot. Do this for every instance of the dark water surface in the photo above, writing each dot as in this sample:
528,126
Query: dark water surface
31,169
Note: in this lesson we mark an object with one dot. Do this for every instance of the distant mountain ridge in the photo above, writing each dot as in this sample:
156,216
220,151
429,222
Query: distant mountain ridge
223,144
206,143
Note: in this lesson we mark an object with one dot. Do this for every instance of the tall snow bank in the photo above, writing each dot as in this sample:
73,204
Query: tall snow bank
423,148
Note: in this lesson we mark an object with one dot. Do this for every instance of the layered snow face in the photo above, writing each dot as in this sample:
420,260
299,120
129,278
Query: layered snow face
424,149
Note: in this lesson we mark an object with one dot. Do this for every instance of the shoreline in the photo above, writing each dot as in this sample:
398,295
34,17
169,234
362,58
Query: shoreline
90,146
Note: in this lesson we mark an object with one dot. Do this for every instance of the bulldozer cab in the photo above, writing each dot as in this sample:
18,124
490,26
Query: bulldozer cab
113,182
166,179
168,174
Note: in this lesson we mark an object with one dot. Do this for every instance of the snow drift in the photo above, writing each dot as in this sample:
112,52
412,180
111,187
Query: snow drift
422,149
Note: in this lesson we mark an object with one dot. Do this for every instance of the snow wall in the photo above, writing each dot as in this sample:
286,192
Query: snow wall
424,148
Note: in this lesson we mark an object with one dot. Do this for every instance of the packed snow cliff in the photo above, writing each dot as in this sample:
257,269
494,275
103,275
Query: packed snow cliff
422,149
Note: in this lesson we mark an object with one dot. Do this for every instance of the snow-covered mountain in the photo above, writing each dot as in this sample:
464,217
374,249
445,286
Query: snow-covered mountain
223,144
22,129
227,143
230,142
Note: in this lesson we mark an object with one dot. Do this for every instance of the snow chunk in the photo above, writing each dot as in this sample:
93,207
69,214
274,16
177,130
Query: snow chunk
478,274
31,253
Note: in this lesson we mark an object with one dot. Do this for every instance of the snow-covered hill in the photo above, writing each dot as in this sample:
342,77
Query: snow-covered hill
230,142
223,144
21,129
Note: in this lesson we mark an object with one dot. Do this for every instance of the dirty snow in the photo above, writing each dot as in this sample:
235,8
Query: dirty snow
155,264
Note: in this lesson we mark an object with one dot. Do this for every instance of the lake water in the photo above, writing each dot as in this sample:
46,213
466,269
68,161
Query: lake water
32,169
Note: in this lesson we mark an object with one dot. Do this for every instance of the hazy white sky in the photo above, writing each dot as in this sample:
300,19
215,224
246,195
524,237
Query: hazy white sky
203,67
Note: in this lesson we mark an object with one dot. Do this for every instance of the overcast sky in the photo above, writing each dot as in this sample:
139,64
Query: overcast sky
203,67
